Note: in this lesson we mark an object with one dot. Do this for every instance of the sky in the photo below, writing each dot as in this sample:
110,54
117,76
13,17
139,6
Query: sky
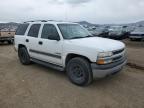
94,11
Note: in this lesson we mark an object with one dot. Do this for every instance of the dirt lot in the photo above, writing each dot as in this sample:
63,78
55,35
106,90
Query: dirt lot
36,86
135,50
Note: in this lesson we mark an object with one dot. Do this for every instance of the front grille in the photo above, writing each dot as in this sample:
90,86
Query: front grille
118,51
117,58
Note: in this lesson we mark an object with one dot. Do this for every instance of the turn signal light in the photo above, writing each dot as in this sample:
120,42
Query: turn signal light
101,61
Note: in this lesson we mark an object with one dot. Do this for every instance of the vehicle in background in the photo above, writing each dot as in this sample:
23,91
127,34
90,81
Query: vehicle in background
126,31
99,31
137,34
7,35
116,32
92,32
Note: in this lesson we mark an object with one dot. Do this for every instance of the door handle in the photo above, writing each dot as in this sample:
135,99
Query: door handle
40,42
27,40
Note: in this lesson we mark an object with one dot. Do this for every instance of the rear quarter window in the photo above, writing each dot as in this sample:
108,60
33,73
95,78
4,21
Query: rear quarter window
34,30
22,29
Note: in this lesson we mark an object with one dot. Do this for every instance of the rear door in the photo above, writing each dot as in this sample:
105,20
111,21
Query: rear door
32,40
50,45
19,37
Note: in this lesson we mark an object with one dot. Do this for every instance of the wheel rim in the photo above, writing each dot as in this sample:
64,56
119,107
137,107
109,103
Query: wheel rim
77,73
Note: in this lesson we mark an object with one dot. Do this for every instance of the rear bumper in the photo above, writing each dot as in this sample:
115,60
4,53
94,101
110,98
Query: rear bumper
100,71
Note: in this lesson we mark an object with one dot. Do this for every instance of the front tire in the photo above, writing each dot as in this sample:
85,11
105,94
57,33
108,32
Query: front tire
24,56
79,71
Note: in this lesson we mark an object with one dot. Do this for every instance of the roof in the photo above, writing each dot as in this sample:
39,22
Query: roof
49,21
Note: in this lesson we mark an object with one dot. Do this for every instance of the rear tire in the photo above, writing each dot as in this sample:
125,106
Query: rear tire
10,42
79,71
24,56
2,41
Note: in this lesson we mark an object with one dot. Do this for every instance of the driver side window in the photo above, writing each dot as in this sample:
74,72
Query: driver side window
49,32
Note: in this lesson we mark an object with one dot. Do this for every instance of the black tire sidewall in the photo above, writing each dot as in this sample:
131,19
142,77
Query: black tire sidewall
26,59
86,67
9,42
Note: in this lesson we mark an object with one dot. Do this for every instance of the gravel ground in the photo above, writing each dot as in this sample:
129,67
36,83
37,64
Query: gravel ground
35,86
135,50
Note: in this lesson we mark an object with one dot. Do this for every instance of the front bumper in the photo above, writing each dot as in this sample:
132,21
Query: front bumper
136,37
100,71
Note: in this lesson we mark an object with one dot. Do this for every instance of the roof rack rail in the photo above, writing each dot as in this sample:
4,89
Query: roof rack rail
39,21
36,21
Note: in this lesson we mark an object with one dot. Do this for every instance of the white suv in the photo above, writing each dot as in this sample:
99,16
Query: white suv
69,47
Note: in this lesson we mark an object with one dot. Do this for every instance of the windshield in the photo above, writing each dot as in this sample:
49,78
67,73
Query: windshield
73,31
116,28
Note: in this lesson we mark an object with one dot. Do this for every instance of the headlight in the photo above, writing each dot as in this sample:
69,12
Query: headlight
104,54
102,58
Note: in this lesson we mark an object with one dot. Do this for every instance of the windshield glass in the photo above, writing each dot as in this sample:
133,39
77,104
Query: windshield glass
73,31
116,28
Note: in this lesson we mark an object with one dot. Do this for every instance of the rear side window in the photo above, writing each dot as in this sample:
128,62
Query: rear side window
49,30
22,29
34,30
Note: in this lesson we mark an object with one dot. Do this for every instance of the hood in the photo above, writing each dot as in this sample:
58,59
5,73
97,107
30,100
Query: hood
98,43
116,32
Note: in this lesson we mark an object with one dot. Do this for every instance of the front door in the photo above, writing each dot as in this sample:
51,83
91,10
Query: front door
50,45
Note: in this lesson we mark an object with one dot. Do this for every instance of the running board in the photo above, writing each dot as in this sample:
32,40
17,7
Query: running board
50,65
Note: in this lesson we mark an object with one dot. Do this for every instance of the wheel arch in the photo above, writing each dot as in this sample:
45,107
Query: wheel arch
21,45
72,55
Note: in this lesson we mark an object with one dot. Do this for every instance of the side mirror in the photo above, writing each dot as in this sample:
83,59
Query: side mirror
52,37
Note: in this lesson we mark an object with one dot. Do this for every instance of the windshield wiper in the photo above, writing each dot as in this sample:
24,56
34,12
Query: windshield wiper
81,37
76,37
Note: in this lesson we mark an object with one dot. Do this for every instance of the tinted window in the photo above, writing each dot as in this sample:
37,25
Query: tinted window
21,29
34,30
49,31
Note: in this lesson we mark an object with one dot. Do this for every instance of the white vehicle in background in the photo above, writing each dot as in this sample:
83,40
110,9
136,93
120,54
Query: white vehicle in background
137,34
69,47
